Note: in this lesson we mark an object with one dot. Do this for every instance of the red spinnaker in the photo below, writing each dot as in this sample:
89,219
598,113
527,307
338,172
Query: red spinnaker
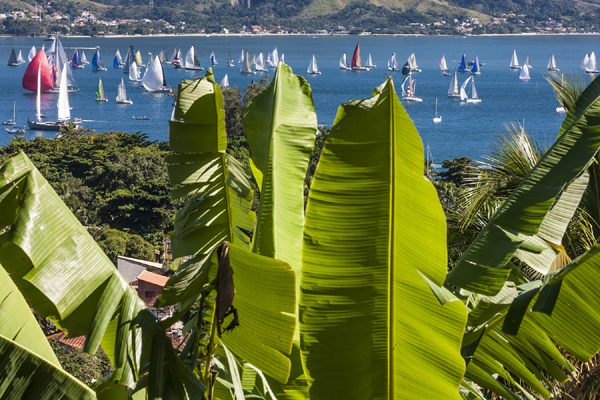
354,57
30,77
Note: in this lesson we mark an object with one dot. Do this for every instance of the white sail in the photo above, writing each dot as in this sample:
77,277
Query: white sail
273,58
393,63
552,64
20,57
189,58
453,89
122,92
241,60
370,62
213,58
283,58
412,60
32,53
153,77
134,72
312,66
528,63
463,93
260,63
514,61
149,59
584,63
38,101
524,73
64,111
83,59
52,48
443,66
344,62
225,82
473,90
62,62
591,65
246,67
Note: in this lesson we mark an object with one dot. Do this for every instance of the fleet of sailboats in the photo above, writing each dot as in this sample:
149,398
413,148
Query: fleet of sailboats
122,94
312,67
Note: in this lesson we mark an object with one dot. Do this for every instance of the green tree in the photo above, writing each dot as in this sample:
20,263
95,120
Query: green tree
117,243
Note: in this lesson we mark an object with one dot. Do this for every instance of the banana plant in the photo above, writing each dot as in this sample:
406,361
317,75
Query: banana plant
63,274
374,322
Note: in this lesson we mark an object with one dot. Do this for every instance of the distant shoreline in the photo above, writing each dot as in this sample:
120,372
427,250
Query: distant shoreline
208,35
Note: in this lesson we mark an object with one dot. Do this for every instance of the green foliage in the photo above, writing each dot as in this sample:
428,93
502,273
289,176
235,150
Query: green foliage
457,170
117,243
86,367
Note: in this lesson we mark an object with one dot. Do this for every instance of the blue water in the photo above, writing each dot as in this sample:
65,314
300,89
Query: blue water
466,130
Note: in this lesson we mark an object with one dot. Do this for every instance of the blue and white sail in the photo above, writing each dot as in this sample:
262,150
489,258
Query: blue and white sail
463,63
475,70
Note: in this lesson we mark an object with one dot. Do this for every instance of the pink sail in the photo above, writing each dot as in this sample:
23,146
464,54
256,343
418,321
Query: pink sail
30,81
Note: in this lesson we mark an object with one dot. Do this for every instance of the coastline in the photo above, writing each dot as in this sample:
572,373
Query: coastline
242,35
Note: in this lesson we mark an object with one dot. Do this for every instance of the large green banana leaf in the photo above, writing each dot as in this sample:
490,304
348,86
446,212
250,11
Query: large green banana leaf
28,364
219,206
66,277
281,126
485,265
370,324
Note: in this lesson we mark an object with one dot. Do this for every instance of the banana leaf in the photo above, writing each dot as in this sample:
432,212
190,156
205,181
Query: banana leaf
483,267
374,242
281,127
63,274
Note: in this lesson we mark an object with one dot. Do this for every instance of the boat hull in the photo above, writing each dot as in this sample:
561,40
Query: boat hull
125,102
248,73
13,64
98,69
553,69
516,67
417,99
45,126
194,69
314,73
360,69
101,99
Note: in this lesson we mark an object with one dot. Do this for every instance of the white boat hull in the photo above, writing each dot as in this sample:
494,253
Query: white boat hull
437,120
417,99
125,102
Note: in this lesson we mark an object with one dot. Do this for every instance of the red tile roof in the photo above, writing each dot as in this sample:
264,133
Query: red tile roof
78,341
153,278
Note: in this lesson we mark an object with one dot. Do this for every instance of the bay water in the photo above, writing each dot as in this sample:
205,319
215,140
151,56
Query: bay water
466,129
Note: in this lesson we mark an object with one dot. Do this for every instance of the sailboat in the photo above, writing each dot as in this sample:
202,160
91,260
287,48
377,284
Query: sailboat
260,63
100,92
213,59
475,70
241,60
97,63
134,73
163,55
172,56
552,64
312,67
130,58
117,60
122,94
76,63
273,58
12,121
356,61
38,69
12,61
253,60
344,63
177,59
32,53
437,119
192,62
229,61
282,59
246,67
514,61
84,60
410,91
443,65
393,63
20,59
453,89
154,78
138,59
524,73
463,93
590,66
528,63
370,62
64,111
150,59
224,82
412,61
463,63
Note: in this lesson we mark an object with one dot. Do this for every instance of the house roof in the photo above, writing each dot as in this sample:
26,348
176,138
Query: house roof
153,278
144,262
78,341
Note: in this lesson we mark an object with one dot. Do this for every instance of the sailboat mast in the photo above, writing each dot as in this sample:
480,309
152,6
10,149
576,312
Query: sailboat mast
38,101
